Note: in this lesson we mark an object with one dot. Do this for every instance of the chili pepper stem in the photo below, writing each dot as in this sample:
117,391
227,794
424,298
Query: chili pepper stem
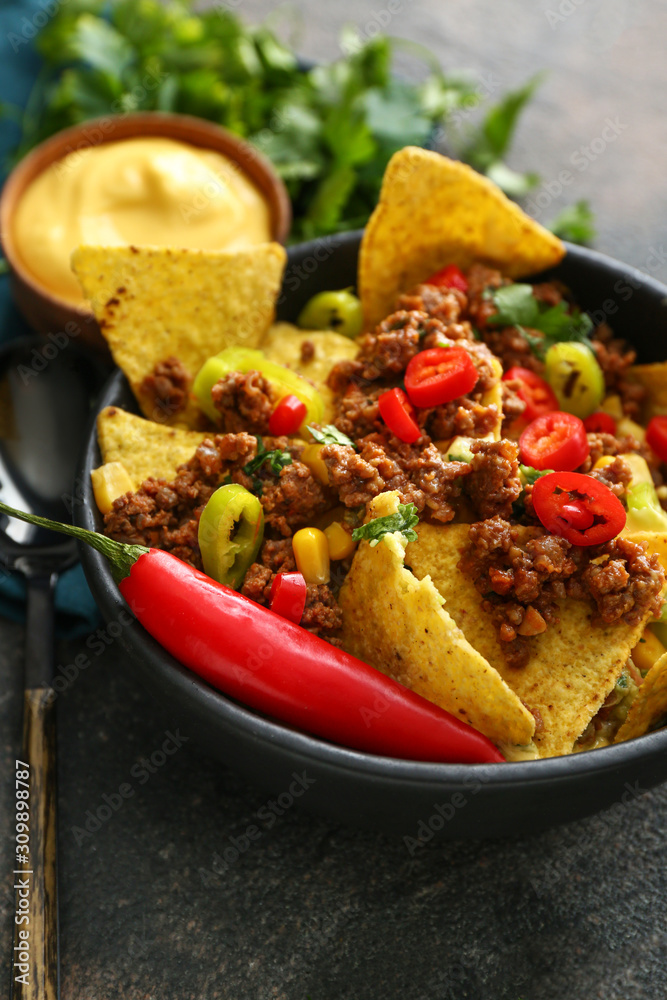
122,557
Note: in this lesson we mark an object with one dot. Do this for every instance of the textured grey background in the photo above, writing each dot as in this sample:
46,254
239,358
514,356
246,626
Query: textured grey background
309,909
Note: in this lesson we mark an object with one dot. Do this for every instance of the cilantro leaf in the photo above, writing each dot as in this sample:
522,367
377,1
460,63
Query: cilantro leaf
575,223
330,435
404,521
277,460
517,306
488,148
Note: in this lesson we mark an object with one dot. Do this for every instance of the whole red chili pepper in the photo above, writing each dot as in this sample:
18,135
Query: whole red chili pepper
275,666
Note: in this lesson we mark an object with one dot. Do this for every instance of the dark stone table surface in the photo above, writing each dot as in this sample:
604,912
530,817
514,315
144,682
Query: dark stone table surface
310,909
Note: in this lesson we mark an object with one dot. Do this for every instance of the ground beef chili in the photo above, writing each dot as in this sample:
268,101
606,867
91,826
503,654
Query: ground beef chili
321,615
615,357
166,515
520,569
167,386
245,401
418,471
493,484
445,304
356,411
522,578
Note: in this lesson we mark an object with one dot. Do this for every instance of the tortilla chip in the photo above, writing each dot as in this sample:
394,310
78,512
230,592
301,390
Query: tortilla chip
157,303
649,705
282,344
655,541
654,379
397,623
575,664
144,447
435,211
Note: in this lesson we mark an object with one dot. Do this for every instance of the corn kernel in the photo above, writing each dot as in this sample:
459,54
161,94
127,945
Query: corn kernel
311,552
604,460
110,481
612,405
312,457
639,466
627,426
647,652
339,540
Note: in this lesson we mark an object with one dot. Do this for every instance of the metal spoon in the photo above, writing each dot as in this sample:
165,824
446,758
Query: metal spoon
45,400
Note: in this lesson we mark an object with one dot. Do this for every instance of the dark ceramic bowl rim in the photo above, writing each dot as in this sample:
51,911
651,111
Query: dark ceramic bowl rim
554,770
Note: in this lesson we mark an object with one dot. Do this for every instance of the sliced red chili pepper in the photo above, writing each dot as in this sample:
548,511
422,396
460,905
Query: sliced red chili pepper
288,416
656,436
578,508
450,276
439,375
600,423
554,441
398,415
537,394
288,596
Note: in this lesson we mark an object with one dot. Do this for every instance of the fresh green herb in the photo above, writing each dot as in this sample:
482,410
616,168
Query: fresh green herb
487,150
277,460
517,306
330,435
403,521
529,475
575,223
329,130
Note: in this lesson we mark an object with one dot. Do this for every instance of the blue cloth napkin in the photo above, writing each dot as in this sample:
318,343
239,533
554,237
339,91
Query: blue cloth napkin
76,611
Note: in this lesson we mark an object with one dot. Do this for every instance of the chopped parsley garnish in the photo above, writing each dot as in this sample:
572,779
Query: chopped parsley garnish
330,435
404,521
517,306
277,460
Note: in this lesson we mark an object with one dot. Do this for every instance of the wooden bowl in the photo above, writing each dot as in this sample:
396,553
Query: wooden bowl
46,312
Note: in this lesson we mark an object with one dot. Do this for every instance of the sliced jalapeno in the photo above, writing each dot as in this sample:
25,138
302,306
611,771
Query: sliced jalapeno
231,529
242,359
572,371
339,311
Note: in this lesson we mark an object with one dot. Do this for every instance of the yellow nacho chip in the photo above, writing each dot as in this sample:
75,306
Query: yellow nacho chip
282,344
435,211
574,664
144,447
397,623
654,379
649,705
157,303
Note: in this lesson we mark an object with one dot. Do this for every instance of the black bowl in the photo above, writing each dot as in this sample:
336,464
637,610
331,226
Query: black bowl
399,796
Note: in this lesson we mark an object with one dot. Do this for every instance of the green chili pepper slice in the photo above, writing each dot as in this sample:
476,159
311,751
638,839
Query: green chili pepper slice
231,529
339,311
644,510
244,359
575,376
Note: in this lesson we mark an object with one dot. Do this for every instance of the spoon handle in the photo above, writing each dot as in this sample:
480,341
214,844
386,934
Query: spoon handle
35,962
